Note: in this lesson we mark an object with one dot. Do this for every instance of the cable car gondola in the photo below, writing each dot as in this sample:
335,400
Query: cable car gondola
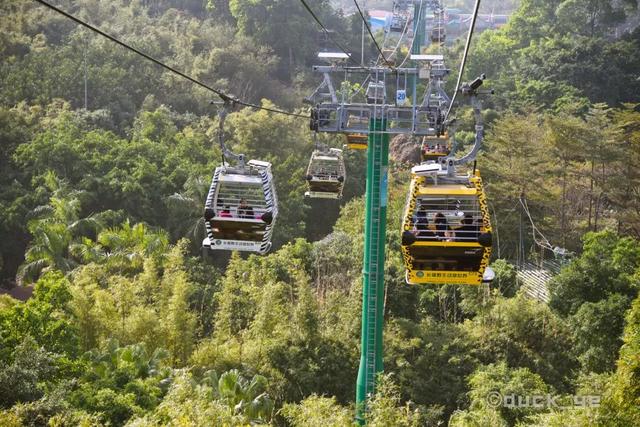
357,141
375,93
241,206
398,22
391,56
434,147
325,174
438,35
446,235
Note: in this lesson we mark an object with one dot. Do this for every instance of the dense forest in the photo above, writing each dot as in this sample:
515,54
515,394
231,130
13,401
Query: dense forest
105,164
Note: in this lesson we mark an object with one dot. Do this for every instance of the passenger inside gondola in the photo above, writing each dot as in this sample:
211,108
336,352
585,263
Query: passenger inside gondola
422,226
225,211
443,231
245,211
468,231
231,227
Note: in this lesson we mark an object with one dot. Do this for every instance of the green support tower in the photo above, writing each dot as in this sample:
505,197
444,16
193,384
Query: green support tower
373,265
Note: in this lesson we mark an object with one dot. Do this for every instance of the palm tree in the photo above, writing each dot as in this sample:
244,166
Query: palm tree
185,210
241,396
127,246
134,360
55,227
49,250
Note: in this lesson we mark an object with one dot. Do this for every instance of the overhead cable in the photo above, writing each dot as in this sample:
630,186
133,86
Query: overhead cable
464,56
409,51
221,94
370,33
325,30
402,35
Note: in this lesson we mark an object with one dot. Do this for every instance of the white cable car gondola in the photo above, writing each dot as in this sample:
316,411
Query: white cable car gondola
398,22
438,35
242,206
325,174
376,93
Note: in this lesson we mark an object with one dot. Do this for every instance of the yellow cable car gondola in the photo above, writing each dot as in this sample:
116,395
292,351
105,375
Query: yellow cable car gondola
357,141
446,234
434,147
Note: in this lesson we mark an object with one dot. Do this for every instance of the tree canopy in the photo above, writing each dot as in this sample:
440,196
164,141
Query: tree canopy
107,159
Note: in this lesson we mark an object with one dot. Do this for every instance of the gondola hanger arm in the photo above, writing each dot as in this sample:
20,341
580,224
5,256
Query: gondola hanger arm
227,105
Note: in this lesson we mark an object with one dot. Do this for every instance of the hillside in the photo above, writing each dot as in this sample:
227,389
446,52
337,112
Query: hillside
105,168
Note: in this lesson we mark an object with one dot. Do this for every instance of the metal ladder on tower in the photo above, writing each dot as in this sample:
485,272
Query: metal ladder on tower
374,269
371,362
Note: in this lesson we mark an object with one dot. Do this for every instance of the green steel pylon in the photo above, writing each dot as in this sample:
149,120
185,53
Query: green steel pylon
373,265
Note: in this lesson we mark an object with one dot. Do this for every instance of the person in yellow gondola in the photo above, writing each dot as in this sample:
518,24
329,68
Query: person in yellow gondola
443,231
468,231
422,226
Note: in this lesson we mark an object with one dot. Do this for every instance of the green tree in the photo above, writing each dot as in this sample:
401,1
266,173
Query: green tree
429,361
179,322
605,267
211,401
385,408
55,227
122,381
596,329
621,403
45,317
592,16
317,410
622,189
243,396
525,333
124,248
516,163
499,388
24,379
189,204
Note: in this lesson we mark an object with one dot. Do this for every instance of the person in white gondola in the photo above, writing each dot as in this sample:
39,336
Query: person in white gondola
245,211
225,212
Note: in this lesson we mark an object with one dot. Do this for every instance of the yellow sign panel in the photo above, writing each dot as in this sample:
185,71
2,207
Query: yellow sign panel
440,277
